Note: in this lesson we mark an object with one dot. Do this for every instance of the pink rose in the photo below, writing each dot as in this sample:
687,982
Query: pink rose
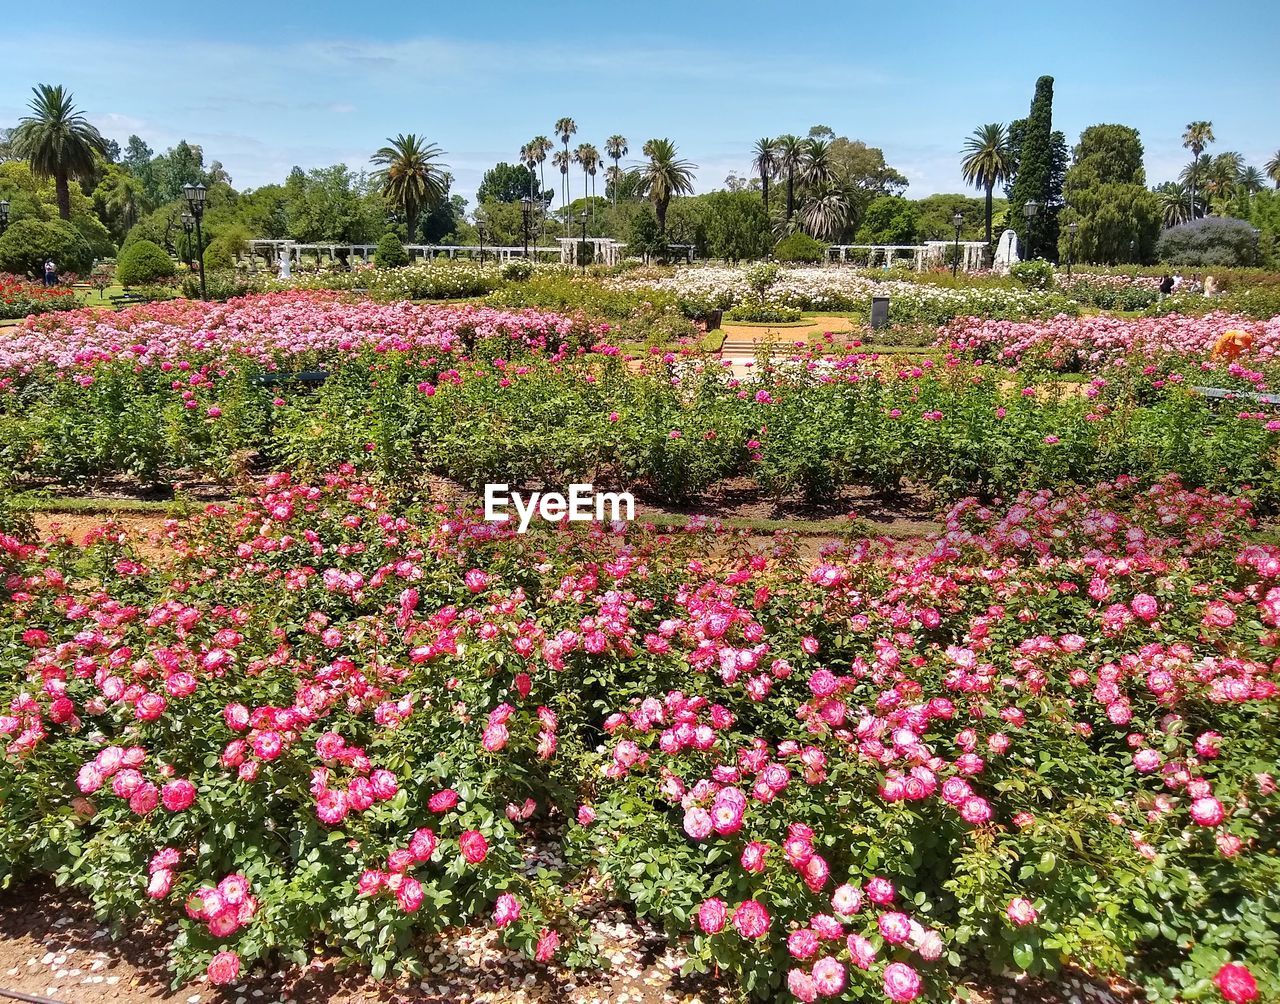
474,847
223,968
751,919
1021,912
901,982
1236,983
712,915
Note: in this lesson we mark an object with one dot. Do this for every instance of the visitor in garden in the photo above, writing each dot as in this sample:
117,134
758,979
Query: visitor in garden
1210,286
1196,286
50,273
1166,286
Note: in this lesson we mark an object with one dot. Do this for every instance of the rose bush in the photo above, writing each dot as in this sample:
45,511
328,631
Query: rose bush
1047,737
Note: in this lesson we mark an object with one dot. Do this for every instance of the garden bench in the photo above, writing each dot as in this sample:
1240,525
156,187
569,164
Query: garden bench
1223,394
127,300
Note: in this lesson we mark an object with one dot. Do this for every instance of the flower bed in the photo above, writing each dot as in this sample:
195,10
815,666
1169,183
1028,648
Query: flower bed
21,297
1047,738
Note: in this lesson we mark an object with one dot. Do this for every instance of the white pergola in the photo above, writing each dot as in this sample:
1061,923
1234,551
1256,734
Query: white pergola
972,253
289,254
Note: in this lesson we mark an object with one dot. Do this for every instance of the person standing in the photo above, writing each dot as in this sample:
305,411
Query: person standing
1166,287
50,273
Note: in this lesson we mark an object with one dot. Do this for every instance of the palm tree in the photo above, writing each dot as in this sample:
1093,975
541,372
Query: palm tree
1222,176
412,177
564,128
817,162
529,161
765,163
988,161
588,158
790,162
1251,181
1273,169
58,141
539,147
1175,206
562,159
663,177
826,212
1198,135
615,147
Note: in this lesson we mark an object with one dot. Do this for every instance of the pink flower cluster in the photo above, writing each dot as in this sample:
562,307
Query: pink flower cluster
224,908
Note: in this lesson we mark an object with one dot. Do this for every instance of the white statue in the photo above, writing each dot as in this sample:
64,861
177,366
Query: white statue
286,262
1007,251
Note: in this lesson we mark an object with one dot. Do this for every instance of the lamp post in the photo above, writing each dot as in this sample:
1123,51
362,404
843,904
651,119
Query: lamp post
526,208
4,216
583,217
957,221
188,228
1071,245
1029,210
1133,251
196,194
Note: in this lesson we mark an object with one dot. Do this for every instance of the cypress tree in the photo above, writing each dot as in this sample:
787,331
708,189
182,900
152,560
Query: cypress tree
1035,172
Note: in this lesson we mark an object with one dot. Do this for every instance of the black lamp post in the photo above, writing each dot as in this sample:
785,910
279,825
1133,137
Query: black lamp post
1071,245
526,207
583,218
188,228
480,234
4,216
1029,210
196,194
1133,251
957,221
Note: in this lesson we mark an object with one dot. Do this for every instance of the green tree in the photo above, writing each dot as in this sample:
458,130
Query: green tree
615,148
507,183
564,128
988,162
664,177
1108,198
28,244
791,166
120,200
1195,138
764,161
889,219
1273,169
411,176
58,141
934,213
735,225
1034,172
1174,199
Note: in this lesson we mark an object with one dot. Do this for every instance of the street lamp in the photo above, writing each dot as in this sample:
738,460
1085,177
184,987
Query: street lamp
4,215
526,208
188,228
1071,245
1133,251
196,194
583,217
957,221
1029,210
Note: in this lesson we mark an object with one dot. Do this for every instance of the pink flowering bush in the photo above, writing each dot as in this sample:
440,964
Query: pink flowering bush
322,718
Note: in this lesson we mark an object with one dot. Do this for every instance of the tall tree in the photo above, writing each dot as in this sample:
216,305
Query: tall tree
817,162
1251,181
790,163
664,176
507,183
1108,198
411,176
563,159
588,158
615,147
765,163
1195,138
988,162
58,141
1035,168
565,128
1175,203
1273,169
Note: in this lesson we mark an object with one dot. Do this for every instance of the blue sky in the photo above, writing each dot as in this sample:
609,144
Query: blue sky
266,85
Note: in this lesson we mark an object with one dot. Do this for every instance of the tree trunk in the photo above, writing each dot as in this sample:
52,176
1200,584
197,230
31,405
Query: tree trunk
660,207
989,188
411,221
764,186
64,194
790,196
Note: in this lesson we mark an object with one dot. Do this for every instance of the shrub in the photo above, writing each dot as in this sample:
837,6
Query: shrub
764,313
222,284
19,297
1034,274
800,247
143,262
219,255
390,252
1214,240
28,244
517,270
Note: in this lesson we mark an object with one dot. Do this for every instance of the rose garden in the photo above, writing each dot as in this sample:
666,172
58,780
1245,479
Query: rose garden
290,697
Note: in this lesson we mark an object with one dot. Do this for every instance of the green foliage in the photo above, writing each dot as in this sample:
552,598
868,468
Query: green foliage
1118,217
142,262
763,313
517,270
509,183
28,244
1034,274
1210,241
220,255
800,247
934,213
390,252
1034,142
889,219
